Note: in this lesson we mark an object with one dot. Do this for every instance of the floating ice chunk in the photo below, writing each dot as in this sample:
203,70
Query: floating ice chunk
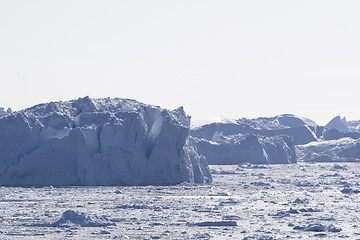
215,224
332,228
231,217
201,236
339,167
301,201
349,190
122,237
81,219
317,227
101,232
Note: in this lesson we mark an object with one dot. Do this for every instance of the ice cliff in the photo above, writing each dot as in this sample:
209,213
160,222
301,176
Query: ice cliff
98,142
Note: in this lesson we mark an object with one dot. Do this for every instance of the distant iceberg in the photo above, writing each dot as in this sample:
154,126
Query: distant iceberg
301,130
340,142
241,148
3,112
260,140
338,150
339,128
108,141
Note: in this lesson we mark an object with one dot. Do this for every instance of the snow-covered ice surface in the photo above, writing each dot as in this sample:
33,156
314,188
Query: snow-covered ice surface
292,201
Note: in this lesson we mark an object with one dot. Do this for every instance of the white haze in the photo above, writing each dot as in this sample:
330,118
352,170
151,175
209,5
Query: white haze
229,58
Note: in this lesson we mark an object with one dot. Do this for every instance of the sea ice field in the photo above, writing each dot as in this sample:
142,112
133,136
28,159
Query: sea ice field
290,201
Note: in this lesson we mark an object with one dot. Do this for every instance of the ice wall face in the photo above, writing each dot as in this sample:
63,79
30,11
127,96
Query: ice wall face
279,149
98,142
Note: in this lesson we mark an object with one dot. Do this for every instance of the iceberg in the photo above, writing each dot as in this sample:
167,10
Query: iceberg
333,134
301,130
3,112
339,128
71,218
241,148
337,123
338,150
260,141
108,141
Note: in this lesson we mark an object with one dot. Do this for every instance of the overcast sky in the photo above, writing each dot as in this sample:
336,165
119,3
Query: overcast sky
231,58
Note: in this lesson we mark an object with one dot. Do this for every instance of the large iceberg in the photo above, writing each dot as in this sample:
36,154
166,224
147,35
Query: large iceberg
98,142
338,150
261,140
342,124
339,128
301,130
339,142
241,148
3,112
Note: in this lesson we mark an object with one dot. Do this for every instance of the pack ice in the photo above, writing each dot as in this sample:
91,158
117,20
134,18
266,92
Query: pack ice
108,141
260,140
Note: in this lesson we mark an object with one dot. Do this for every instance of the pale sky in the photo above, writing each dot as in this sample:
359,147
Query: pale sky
231,58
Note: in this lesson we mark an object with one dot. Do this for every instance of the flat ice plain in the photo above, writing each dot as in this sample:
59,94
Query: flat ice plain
292,201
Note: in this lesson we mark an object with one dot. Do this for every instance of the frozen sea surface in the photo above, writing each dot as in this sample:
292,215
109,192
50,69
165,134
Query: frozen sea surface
294,201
